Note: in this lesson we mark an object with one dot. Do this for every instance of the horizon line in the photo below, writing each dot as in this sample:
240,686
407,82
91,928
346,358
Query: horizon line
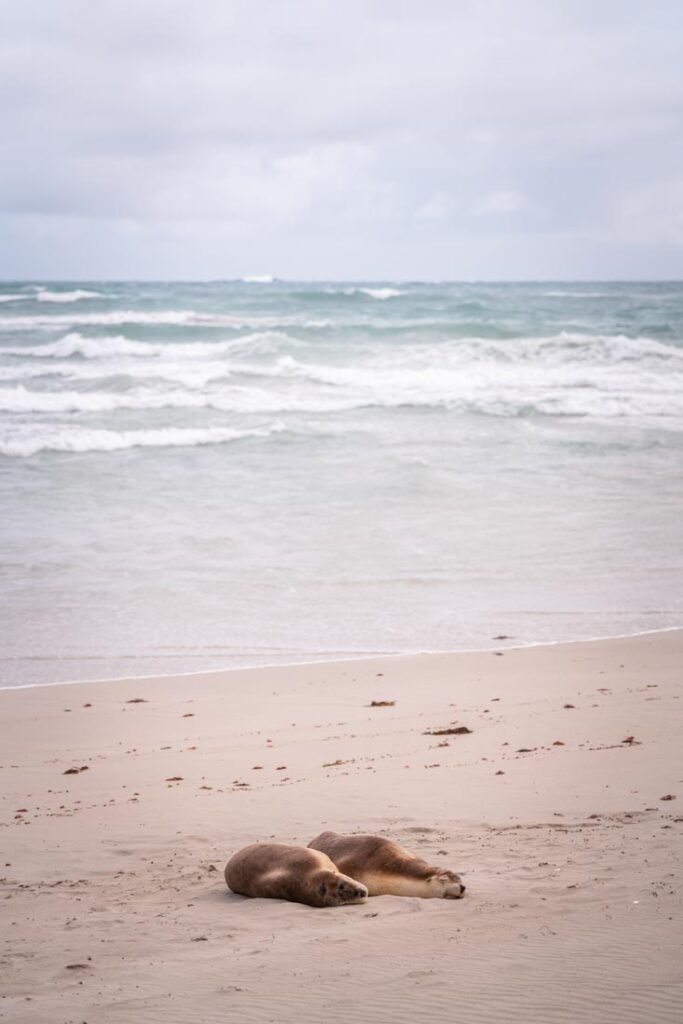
340,280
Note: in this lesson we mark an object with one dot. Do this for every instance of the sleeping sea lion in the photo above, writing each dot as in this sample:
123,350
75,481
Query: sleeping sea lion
386,868
291,873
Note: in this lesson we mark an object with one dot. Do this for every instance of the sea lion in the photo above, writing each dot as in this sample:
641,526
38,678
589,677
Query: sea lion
291,873
386,869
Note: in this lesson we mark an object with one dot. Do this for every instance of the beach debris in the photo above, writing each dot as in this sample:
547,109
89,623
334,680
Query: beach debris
333,764
137,700
455,730
502,636
526,750
566,706
558,743
174,778
668,796
500,772
201,938
631,741
381,703
76,771
498,654
87,705
444,743
76,967
257,767
189,714
281,768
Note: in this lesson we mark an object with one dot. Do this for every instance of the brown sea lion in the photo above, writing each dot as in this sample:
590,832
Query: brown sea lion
386,869
291,873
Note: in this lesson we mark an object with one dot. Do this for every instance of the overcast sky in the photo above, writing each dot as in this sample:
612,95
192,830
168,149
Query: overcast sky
375,139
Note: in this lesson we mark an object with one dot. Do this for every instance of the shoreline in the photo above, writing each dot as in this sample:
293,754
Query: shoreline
562,809
339,661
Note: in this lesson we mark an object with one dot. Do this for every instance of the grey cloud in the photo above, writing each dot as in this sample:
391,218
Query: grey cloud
358,139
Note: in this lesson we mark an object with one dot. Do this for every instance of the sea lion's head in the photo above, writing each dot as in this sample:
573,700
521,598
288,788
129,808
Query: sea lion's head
335,890
447,885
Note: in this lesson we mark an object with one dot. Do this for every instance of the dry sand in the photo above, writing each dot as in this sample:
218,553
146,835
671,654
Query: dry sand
114,906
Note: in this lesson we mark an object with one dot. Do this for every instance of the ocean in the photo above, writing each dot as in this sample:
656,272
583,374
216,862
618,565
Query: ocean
221,474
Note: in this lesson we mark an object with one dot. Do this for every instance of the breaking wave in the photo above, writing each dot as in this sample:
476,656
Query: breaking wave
83,440
75,344
564,375
161,318
372,293
565,347
45,295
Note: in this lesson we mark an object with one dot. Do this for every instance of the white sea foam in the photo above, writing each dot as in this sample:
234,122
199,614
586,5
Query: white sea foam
45,295
372,293
498,390
565,375
110,372
75,344
21,399
12,298
561,348
86,440
190,373
258,279
577,295
381,293
236,399
558,374
162,318
168,318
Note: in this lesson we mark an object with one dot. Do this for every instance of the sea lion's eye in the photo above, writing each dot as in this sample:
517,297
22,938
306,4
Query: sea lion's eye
322,889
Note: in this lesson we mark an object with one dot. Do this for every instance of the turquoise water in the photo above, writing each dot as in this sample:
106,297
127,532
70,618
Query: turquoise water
203,475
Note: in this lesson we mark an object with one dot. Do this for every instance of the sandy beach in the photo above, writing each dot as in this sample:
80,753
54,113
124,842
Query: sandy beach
562,809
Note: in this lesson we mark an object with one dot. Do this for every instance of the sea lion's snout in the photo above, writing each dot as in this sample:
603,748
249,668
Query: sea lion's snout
449,885
352,891
336,890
